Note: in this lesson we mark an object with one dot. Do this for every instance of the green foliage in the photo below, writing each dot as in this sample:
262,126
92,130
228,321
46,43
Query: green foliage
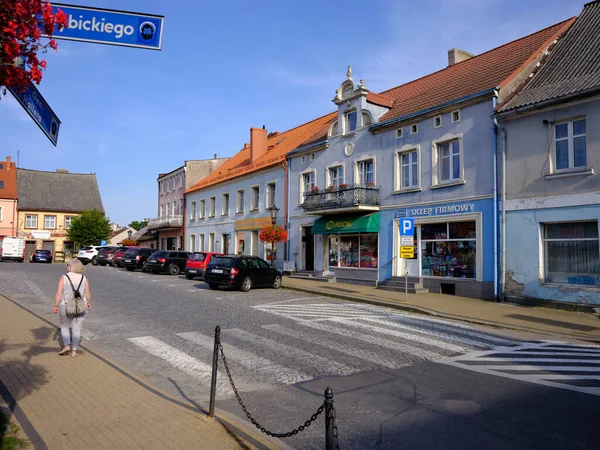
89,228
9,439
138,225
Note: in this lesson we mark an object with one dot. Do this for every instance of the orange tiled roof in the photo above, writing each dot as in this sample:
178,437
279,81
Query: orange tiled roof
278,145
380,100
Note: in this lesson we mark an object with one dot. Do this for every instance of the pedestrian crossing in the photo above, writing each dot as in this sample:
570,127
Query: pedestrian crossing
555,364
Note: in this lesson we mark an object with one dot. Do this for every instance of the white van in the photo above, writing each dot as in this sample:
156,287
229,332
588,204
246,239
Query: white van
12,248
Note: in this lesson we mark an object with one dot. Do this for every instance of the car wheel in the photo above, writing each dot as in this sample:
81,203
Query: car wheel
213,286
189,276
277,282
174,269
246,284
94,261
130,269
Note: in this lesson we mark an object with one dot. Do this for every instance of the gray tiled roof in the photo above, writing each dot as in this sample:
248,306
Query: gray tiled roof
57,191
572,67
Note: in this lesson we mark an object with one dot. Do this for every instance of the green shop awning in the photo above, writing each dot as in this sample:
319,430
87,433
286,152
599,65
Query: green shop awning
347,224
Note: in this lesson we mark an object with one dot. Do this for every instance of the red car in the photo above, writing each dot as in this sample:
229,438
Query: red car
196,264
117,260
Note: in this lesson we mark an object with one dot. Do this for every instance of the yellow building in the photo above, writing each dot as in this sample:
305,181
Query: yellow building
48,202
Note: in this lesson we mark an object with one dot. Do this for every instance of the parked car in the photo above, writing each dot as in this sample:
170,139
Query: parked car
12,248
136,257
196,264
243,272
105,255
89,254
42,256
117,260
169,261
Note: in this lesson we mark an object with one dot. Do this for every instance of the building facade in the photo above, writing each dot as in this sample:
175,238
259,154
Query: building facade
8,198
48,202
550,184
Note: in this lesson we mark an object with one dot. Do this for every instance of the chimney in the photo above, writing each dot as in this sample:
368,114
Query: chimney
456,55
258,143
215,157
62,171
8,164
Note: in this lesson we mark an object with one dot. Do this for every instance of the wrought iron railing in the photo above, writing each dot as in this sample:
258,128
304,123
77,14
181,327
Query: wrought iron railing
164,222
341,198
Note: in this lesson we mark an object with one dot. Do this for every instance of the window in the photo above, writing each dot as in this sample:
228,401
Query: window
30,221
571,252
225,206
68,220
399,133
308,182
366,119
162,210
201,242
50,222
174,208
202,209
212,207
240,201
333,130
350,121
271,194
181,206
160,187
303,159
408,167
449,249
456,116
211,242
366,172
448,158
0,213
336,176
192,242
312,156
1,184
414,129
166,210
437,122
255,200
570,144
358,251
193,211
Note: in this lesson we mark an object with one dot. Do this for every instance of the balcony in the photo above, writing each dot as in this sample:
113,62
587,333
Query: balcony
345,199
161,223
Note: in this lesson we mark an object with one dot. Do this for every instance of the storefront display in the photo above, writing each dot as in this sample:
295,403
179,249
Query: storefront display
359,251
449,250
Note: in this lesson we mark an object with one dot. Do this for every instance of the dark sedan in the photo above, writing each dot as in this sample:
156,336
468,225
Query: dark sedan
169,261
136,257
106,255
243,272
41,256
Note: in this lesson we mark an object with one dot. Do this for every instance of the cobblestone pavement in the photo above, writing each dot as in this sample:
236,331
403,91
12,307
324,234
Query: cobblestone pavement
282,346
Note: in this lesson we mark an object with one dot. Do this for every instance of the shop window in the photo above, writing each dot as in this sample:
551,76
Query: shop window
571,253
570,144
358,251
449,249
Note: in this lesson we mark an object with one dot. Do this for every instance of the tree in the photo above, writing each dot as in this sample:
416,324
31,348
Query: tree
89,228
138,225
21,25
273,234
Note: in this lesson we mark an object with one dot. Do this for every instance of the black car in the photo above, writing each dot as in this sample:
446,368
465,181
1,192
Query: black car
135,258
105,255
169,261
42,256
241,272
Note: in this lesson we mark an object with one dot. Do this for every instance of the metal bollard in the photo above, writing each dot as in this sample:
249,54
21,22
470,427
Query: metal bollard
213,381
329,437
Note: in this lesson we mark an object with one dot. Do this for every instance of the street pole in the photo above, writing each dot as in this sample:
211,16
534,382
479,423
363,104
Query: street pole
405,283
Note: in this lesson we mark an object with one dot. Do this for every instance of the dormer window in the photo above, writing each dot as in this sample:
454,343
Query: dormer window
350,121
334,129
366,119
414,129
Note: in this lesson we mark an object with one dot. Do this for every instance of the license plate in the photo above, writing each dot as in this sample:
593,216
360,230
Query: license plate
127,260
217,271
151,260
191,271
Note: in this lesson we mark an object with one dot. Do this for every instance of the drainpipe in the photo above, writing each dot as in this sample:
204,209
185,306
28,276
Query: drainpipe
286,174
495,147
503,212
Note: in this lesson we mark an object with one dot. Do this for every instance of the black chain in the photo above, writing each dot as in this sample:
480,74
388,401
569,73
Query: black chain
336,442
255,423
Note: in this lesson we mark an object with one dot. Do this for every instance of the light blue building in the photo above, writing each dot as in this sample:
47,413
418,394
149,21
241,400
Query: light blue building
550,188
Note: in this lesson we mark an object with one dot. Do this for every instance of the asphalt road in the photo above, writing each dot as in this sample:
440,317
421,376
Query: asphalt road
400,380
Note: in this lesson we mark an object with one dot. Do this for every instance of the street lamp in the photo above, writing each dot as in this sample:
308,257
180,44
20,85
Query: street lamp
273,210
129,234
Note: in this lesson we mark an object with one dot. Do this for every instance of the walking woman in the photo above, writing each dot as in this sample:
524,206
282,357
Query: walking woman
70,326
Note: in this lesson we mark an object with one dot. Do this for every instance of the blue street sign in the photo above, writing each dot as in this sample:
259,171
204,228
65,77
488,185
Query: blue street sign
112,27
407,227
103,243
35,105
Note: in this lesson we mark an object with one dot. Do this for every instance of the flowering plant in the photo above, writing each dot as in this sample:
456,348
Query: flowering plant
128,242
343,186
314,190
273,234
330,188
21,26
370,184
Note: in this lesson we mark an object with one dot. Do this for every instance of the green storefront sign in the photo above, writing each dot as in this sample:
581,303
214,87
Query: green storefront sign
347,224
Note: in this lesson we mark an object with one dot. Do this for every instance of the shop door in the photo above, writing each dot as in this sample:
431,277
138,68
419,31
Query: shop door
308,249
30,248
48,245
333,256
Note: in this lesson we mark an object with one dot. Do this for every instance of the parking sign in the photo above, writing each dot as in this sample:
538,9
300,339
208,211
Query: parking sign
407,227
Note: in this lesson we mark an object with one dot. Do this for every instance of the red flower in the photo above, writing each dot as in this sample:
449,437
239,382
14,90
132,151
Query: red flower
273,234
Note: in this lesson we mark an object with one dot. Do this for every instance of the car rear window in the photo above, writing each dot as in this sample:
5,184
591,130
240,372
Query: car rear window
223,261
158,254
132,252
199,257
45,252
87,248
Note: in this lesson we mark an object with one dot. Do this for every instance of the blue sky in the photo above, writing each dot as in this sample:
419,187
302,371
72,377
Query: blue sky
129,114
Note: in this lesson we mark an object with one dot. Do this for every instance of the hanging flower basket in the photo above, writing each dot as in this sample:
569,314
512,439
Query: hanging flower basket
273,234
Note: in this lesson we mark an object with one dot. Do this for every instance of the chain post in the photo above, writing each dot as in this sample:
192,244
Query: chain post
213,381
329,438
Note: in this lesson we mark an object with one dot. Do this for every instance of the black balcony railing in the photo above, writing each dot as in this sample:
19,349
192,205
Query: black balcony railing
341,198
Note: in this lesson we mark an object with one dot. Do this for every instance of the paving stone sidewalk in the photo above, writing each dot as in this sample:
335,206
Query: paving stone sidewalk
552,322
62,402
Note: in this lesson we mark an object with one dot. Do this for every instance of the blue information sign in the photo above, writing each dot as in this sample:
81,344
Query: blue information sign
108,26
103,243
35,105
407,227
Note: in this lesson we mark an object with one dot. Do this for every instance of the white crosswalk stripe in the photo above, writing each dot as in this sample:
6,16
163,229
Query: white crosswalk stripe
559,365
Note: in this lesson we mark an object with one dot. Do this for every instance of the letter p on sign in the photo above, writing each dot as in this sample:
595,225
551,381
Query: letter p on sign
407,227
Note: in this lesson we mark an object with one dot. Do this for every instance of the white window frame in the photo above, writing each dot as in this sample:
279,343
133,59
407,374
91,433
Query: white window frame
437,119
271,197
167,209
571,148
358,181
202,211
174,207
336,165
211,242
414,128
303,159
347,114
435,173
68,220
192,242
303,188
225,204
334,126
399,133
201,242
240,200
255,198
33,218
193,210
1,209
212,206
364,113
454,113
398,168
181,206
46,217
